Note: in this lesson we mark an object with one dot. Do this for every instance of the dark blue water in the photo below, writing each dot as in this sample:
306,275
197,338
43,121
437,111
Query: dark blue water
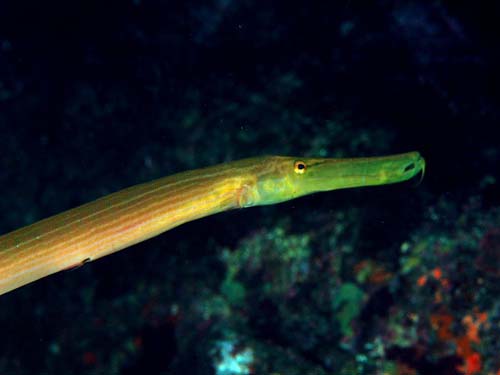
397,279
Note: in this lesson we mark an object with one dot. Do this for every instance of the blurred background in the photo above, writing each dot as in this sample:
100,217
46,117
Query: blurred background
97,96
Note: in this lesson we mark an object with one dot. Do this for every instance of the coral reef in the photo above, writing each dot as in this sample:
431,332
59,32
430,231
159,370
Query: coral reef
393,280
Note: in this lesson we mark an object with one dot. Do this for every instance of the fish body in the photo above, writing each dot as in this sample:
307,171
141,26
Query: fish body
132,215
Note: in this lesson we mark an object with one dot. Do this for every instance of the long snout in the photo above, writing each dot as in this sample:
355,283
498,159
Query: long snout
332,174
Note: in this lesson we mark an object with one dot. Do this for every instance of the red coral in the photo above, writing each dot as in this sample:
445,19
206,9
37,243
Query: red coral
442,324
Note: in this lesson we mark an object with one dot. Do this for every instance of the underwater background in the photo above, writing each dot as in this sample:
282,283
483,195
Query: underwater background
404,279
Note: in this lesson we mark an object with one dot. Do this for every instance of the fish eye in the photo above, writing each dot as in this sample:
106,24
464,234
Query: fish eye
299,167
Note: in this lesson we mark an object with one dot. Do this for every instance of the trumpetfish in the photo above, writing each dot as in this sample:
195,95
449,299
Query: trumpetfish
132,215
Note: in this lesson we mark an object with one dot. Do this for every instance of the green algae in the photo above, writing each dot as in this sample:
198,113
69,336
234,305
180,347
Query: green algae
347,303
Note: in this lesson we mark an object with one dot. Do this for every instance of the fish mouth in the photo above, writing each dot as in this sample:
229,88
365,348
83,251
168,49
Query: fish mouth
330,174
421,163
417,168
